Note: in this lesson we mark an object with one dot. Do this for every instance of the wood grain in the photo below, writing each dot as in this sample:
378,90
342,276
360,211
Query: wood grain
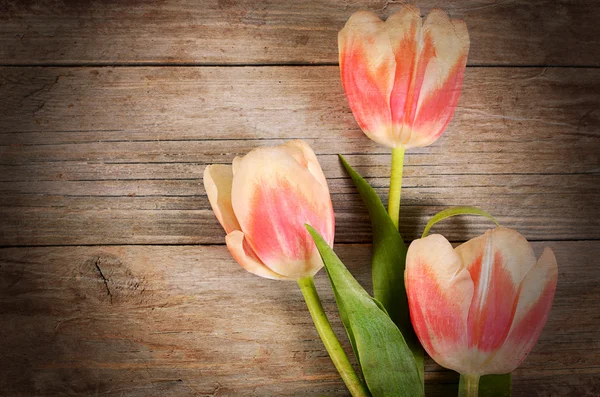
104,143
188,321
531,32
115,155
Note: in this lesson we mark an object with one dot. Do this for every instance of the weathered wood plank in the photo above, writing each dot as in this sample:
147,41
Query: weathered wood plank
115,155
532,32
175,212
187,320
520,108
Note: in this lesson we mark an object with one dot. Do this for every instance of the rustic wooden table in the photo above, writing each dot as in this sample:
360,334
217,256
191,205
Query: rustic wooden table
114,279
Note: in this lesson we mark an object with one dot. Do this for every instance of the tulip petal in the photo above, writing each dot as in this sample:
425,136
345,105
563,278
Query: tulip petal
273,197
367,71
535,301
439,291
497,261
218,180
438,77
235,164
404,30
306,157
243,254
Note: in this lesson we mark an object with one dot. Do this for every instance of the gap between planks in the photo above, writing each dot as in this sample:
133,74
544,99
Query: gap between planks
252,65
345,244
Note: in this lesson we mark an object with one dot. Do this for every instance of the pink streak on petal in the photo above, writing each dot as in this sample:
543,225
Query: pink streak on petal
437,321
278,215
491,313
425,56
525,334
406,53
369,105
437,109
533,309
246,257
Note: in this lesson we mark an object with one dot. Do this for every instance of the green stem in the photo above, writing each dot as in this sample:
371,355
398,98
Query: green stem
468,386
396,184
394,212
331,342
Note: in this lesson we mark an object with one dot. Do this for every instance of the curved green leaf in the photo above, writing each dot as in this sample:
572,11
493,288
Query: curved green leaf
388,365
389,257
447,213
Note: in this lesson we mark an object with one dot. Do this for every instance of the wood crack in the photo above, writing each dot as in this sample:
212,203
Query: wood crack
34,94
104,279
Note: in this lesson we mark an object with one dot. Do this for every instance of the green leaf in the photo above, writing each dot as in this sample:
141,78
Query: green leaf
492,385
346,321
389,257
388,365
447,213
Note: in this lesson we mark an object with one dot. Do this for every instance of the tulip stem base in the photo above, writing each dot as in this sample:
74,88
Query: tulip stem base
330,340
469,386
396,184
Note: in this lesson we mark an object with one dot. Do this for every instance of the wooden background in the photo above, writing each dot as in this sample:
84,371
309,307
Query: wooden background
114,280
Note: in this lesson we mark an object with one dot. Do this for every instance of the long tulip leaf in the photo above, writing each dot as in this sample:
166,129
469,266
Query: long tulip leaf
389,257
346,321
387,363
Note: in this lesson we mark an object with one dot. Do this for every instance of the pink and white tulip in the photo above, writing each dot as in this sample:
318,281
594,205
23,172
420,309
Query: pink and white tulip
479,309
263,202
403,77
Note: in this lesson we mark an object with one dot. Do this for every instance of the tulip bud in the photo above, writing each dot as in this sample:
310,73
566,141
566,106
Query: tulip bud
263,202
479,309
403,77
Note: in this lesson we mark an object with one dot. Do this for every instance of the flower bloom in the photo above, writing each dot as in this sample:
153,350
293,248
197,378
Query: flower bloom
263,202
479,309
403,77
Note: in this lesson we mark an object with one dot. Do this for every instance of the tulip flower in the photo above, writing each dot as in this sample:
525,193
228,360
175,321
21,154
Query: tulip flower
403,77
263,202
479,308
